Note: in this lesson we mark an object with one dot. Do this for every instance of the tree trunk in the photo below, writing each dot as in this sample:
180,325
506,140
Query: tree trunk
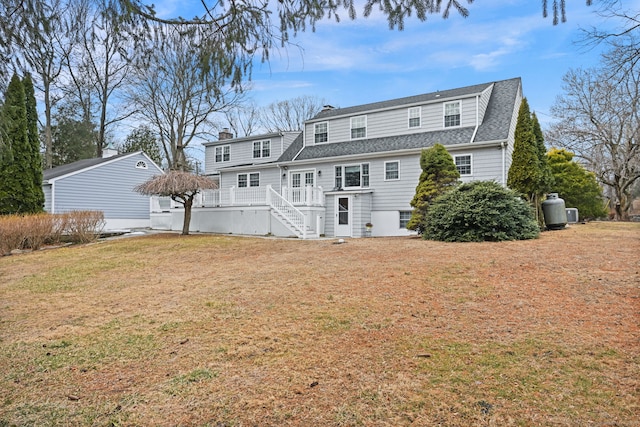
187,214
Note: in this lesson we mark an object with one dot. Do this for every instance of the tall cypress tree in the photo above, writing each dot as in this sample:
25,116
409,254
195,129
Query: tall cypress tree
439,174
17,192
546,175
34,143
524,173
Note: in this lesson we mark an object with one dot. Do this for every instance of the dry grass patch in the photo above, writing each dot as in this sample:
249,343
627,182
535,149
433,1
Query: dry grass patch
228,331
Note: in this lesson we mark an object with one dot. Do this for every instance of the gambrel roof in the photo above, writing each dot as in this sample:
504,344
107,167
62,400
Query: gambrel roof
494,127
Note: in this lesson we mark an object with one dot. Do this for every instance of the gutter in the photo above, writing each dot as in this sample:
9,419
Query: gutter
408,151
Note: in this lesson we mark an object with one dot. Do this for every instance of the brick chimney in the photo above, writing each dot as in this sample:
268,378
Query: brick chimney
225,134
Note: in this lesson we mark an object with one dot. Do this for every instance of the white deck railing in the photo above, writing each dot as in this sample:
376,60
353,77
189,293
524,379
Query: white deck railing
286,209
252,196
304,196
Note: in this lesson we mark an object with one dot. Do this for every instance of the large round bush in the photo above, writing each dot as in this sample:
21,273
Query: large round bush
480,211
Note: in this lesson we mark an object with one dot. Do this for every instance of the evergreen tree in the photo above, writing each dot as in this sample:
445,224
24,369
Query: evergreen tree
72,138
34,141
546,176
439,174
546,181
142,139
576,185
18,194
524,173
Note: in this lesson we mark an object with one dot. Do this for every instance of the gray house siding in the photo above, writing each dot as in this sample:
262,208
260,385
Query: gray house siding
241,150
47,197
391,122
269,175
102,184
107,187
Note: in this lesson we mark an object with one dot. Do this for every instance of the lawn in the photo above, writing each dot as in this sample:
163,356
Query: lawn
208,330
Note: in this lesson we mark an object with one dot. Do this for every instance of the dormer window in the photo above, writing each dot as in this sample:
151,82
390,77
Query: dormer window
452,114
261,149
358,127
141,165
414,117
222,153
321,132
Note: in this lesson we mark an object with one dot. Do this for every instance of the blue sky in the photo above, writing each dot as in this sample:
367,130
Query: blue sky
356,62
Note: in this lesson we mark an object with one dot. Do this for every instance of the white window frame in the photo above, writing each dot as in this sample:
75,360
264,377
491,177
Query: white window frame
414,113
444,114
316,134
141,164
222,149
247,177
405,221
386,171
458,166
262,145
365,178
355,121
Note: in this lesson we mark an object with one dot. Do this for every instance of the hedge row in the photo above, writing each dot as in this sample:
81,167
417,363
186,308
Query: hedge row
34,231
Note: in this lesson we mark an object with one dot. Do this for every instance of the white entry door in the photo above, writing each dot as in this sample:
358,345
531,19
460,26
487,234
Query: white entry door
343,216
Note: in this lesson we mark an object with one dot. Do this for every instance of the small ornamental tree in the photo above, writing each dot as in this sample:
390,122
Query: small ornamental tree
439,174
576,185
181,187
480,211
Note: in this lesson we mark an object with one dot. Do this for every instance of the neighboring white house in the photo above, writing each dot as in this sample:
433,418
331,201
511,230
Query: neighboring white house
356,165
102,184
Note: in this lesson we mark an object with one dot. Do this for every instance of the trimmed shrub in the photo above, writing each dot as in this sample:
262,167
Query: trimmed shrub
480,211
84,226
32,231
37,230
11,233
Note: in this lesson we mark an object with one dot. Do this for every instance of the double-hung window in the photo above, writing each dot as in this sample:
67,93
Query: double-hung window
414,117
248,180
391,171
261,149
358,127
452,114
463,164
222,153
352,176
321,132
405,216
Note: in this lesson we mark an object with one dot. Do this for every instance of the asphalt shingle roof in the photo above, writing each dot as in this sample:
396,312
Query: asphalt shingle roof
58,171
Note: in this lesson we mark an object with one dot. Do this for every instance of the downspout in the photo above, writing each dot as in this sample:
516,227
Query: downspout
503,146
53,197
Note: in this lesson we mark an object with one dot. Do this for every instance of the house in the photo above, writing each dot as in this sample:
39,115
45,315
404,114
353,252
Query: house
102,184
357,165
